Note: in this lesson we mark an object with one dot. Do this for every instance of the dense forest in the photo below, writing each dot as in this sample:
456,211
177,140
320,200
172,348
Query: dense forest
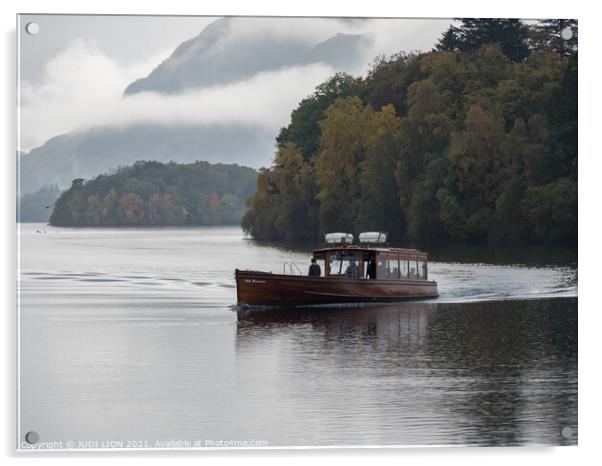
153,193
473,142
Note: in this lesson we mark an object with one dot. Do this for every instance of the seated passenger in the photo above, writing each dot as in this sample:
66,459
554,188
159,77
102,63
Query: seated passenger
412,272
314,269
395,272
351,271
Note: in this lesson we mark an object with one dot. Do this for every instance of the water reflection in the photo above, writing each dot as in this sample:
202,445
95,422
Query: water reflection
129,333
466,254
525,255
495,373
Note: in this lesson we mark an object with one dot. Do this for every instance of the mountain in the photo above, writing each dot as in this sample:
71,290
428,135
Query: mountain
219,55
99,150
227,50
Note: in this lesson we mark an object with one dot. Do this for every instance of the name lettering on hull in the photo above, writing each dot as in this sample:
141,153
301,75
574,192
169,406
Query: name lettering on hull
252,280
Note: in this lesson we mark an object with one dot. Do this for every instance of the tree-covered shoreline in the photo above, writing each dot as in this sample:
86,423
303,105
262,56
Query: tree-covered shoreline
473,142
157,194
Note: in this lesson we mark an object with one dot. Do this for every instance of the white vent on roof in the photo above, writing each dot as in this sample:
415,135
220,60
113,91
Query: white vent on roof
339,238
375,237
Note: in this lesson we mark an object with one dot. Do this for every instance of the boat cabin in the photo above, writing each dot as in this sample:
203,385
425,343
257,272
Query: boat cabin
347,272
346,260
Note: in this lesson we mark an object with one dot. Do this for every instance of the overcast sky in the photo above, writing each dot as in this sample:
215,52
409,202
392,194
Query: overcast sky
73,72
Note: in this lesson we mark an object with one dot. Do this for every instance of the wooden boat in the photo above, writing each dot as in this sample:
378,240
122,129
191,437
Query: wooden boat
349,274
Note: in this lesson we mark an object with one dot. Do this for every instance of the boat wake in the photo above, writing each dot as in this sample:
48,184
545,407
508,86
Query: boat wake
486,282
457,283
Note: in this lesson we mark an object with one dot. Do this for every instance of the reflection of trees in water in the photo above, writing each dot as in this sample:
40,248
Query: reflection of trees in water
518,360
467,254
508,255
497,373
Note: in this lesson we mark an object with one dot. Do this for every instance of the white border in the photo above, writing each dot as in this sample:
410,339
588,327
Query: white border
18,268
589,173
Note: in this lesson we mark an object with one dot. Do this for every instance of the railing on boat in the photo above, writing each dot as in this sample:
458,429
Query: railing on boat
293,269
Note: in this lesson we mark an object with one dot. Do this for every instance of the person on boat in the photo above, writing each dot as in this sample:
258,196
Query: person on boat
314,269
371,268
351,271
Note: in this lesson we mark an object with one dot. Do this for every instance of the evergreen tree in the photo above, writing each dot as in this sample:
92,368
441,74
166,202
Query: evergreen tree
449,41
472,33
304,130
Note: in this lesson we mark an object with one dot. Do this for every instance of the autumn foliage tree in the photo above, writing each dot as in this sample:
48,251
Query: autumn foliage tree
475,142
163,209
345,132
152,193
284,205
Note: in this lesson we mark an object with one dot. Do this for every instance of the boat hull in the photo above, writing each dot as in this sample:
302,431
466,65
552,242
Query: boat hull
256,288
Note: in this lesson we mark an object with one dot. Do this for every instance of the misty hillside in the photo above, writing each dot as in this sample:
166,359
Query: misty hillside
37,207
99,150
214,58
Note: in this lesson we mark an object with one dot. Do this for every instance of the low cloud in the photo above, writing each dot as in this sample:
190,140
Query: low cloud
78,85
265,100
389,35
82,86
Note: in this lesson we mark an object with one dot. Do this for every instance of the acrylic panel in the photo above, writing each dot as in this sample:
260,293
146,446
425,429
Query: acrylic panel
177,175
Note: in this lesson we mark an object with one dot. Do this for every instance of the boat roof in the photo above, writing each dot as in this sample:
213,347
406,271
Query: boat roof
354,247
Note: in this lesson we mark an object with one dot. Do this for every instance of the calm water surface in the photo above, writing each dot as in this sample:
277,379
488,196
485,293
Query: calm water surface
130,335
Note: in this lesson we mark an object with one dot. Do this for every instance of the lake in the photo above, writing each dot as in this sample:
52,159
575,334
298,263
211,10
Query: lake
129,337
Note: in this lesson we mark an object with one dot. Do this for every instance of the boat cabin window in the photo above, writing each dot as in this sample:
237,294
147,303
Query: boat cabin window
416,269
403,267
421,269
344,265
388,265
388,268
335,264
413,267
